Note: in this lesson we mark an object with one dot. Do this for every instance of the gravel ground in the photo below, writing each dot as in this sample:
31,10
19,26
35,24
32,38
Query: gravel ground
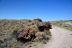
61,38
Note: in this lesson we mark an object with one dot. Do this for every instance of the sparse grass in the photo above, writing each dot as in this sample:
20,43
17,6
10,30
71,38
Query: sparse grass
63,24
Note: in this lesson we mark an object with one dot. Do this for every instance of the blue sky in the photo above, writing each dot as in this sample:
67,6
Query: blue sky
31,9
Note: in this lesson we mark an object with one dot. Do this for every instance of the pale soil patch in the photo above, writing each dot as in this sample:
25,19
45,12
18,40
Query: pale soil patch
61,38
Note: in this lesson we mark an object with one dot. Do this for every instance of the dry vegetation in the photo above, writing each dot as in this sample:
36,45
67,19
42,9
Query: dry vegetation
9,37
67,24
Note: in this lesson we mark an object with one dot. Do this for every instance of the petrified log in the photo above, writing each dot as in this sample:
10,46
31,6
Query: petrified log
46,26
25,35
